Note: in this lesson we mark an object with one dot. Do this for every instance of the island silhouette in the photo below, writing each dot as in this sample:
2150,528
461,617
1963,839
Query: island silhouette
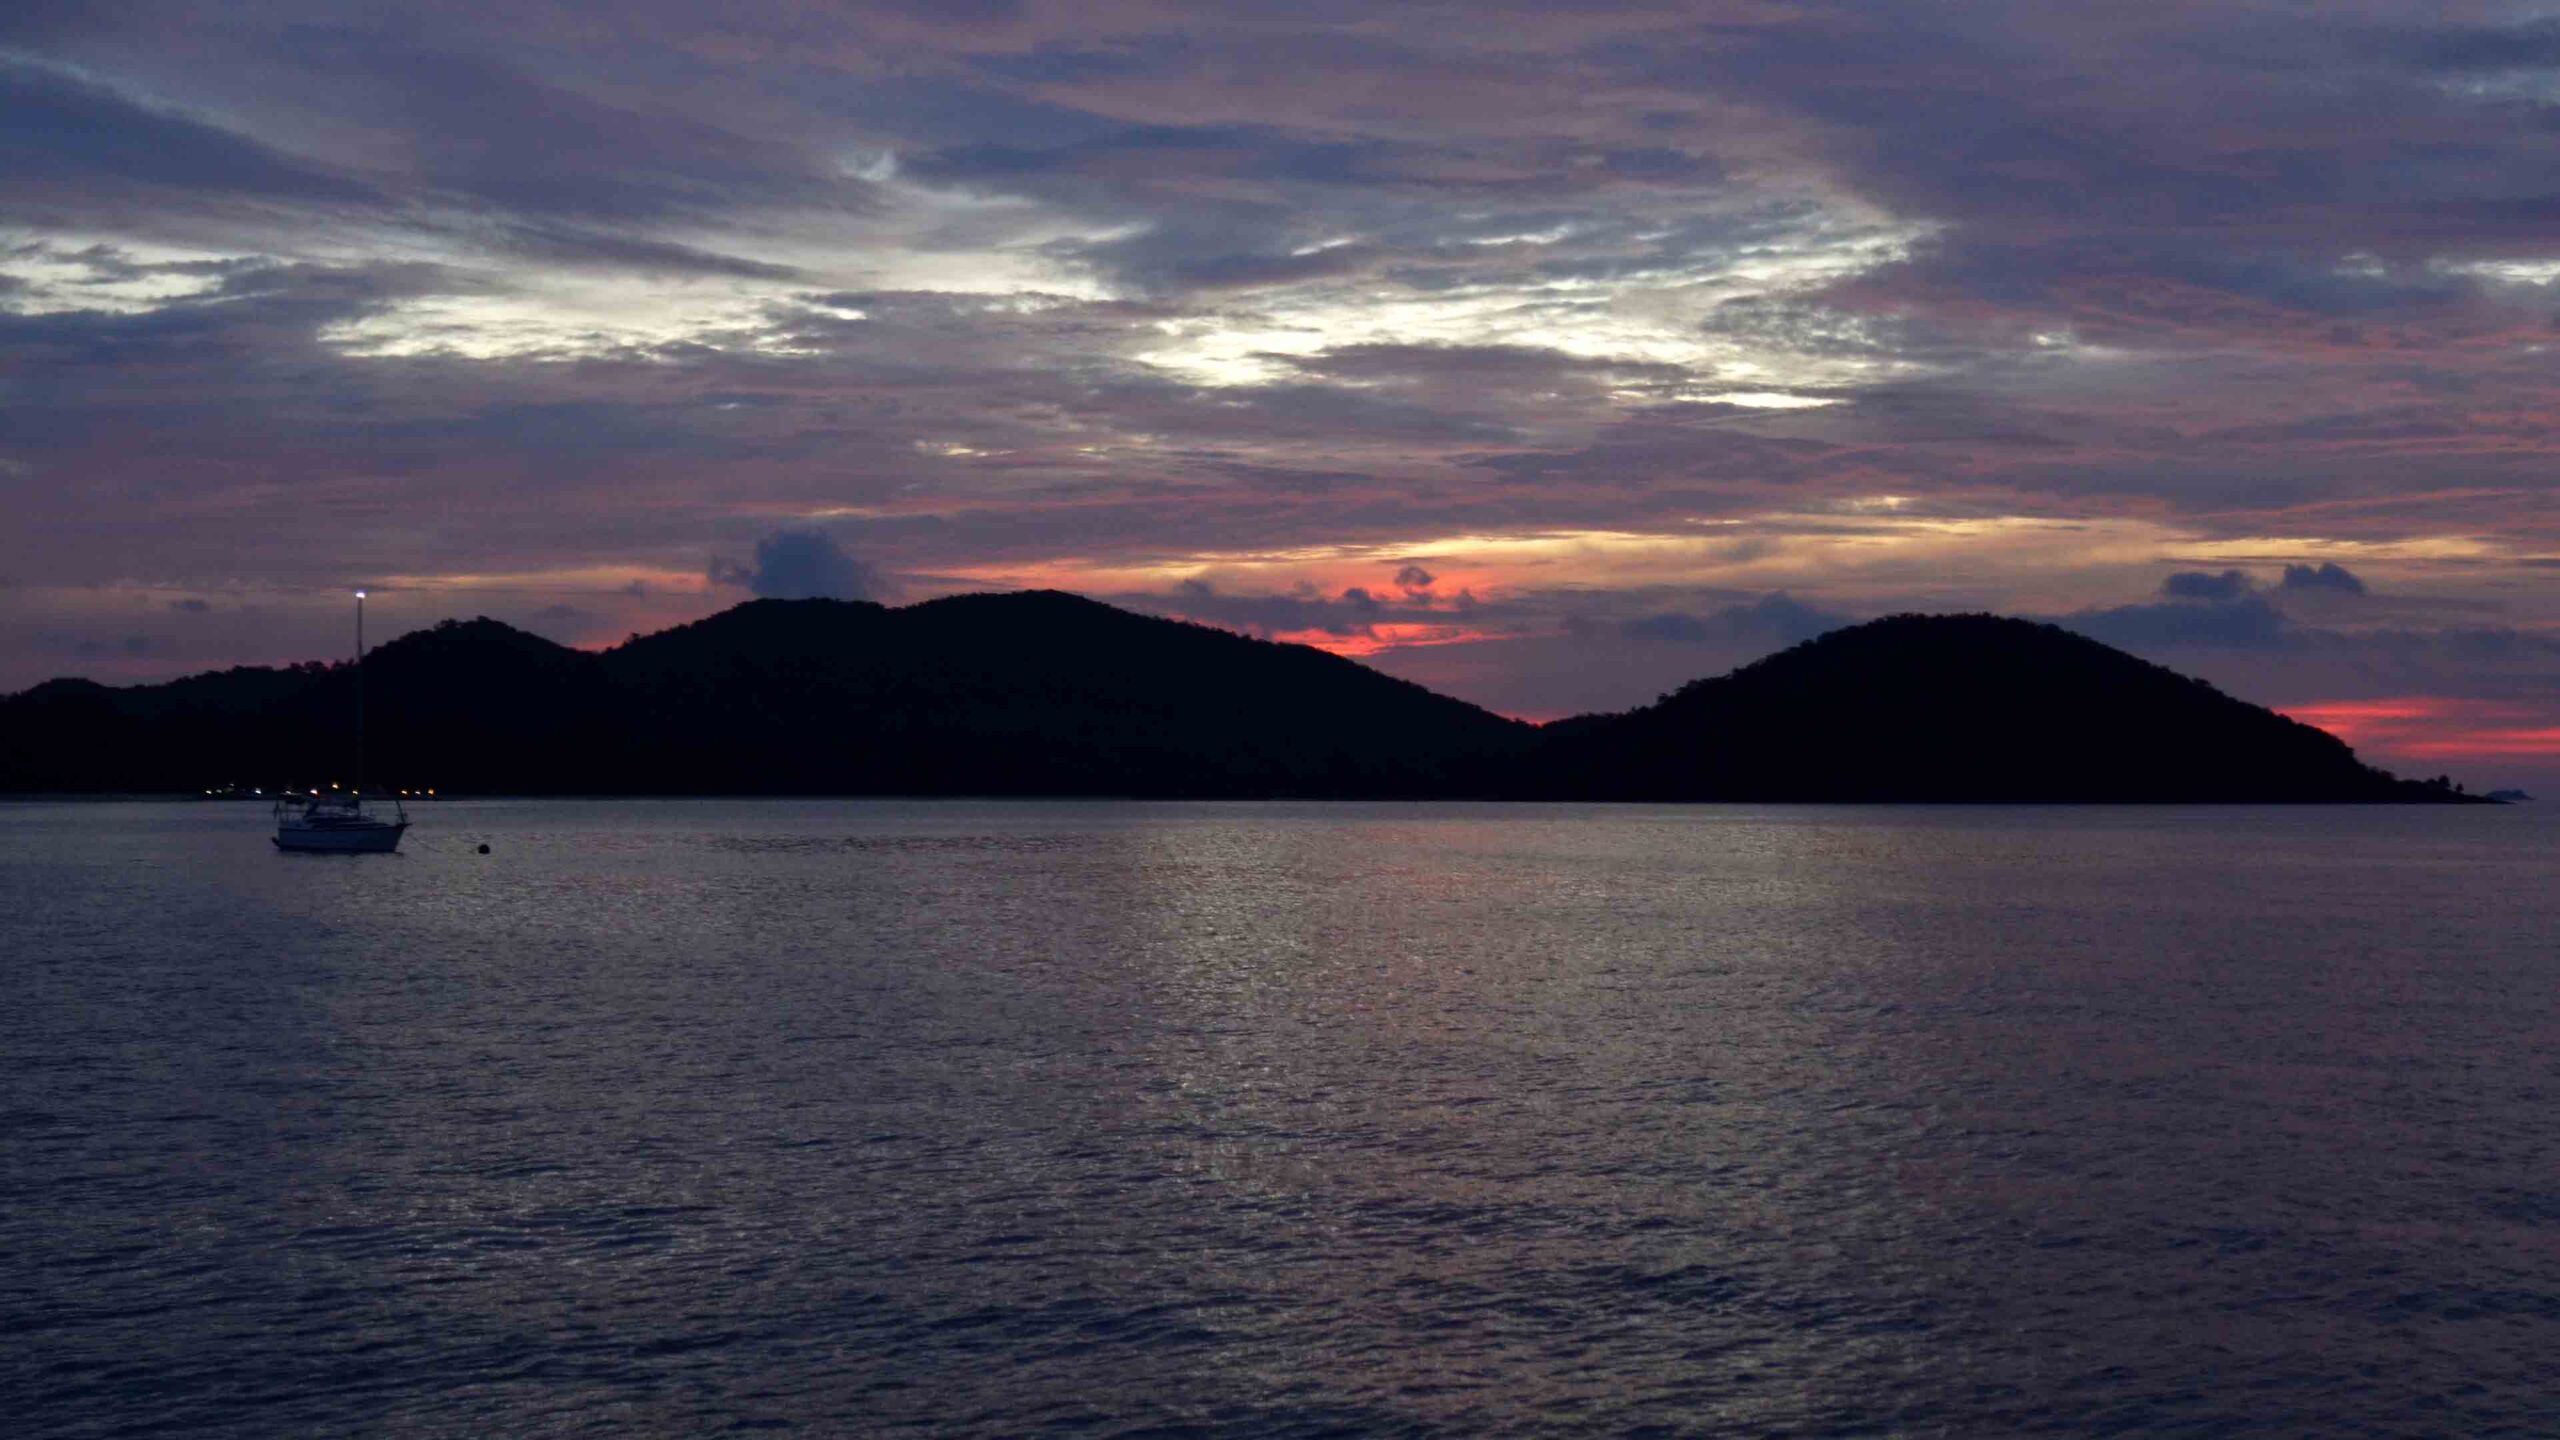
1041,693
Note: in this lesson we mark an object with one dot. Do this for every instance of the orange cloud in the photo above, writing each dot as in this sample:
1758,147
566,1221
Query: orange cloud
1386,636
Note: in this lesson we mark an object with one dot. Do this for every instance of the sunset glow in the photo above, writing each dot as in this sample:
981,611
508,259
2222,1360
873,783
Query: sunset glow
1657,338
2437,728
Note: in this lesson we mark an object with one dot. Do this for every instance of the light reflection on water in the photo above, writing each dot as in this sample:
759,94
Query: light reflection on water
667,1117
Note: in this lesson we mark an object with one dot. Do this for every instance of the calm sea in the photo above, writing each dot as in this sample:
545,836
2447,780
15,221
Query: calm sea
689,1117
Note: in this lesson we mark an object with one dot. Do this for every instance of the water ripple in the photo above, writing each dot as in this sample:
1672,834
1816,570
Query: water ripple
697,1118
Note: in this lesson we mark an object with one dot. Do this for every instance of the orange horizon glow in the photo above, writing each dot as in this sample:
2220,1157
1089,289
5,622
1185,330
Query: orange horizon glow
1389,635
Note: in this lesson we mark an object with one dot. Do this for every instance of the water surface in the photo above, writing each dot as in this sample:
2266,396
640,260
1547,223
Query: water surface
673,1118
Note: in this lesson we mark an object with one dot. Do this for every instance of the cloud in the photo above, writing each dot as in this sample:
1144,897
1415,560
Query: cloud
1353,611
70,146
2244,622
1414,577
191,606
1773,621
1820,301
2327,577
82,647
802,565
2198,585
468,121
604,249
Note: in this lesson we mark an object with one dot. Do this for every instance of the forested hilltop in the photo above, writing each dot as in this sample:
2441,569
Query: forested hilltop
1031,693
1042,693
1958,708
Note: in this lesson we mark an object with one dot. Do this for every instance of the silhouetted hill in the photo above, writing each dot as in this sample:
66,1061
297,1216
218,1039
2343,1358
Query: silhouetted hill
1043,693
1955,708
1035,693
1038,693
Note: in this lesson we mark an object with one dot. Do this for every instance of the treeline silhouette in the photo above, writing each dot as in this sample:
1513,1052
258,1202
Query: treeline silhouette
1036,693
1963,708
1043,693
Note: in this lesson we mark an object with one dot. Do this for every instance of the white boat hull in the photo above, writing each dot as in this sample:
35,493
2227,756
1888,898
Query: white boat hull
341,839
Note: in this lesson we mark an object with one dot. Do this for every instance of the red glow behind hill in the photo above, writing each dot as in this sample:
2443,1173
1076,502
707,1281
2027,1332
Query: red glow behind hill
1383,636
2437,727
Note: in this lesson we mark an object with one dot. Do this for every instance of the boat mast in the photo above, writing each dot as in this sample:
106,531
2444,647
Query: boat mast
359,692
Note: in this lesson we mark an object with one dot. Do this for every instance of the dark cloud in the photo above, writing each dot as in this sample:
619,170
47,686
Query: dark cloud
85,647
1354,611
2468,48
574,245
254,315
68,146
1490,380
2200,585
35,20
191,606
2246,622
2327,577
568,623
1773,622
538,145
802,565
1414,577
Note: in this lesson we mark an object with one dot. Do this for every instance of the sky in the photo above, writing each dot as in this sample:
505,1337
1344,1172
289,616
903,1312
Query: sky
1550,356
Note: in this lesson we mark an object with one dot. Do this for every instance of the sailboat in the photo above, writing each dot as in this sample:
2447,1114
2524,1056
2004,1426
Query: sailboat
340,823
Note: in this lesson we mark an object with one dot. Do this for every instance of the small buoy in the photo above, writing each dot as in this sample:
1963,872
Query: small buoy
484,849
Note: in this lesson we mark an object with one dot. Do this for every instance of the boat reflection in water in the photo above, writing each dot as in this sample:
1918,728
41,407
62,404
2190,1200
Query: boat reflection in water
337,823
